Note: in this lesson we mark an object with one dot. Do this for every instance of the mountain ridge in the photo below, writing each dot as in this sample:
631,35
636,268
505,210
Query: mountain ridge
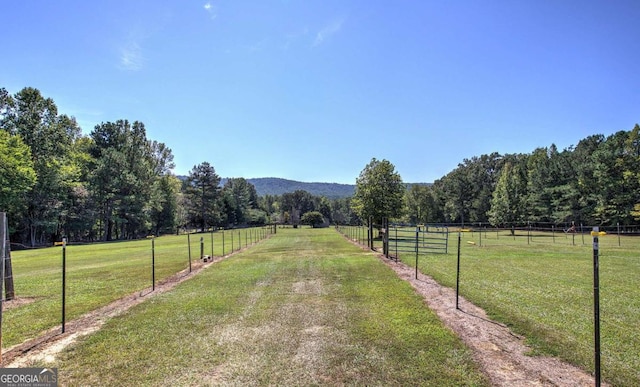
278,186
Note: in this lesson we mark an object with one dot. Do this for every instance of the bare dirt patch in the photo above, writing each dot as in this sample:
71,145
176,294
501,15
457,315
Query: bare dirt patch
18,301
502,355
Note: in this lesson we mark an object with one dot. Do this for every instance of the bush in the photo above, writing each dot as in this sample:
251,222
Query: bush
312,218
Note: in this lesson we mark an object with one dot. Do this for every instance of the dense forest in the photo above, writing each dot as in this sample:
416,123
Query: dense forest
596,182
115,183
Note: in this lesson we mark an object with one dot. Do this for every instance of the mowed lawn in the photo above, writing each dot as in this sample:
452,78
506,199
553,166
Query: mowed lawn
543,289
98,274
304,307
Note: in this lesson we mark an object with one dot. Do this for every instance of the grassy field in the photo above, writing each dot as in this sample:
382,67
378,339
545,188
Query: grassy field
98,274
302,308
543,288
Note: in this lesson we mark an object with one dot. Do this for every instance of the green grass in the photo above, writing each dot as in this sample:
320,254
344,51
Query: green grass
98,274
543,288
303,308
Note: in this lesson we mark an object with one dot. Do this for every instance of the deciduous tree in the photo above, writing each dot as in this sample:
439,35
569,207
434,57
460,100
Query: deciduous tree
50,137
379,192
17,176
312,218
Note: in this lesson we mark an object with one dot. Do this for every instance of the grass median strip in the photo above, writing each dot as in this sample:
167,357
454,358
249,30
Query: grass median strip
305,307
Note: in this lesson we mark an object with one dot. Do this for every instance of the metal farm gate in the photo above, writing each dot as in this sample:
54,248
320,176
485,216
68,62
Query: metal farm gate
400,239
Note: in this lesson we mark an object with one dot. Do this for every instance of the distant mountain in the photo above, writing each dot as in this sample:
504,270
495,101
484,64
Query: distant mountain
278,186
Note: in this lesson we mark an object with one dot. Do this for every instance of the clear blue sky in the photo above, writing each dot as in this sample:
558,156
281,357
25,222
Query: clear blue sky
312,90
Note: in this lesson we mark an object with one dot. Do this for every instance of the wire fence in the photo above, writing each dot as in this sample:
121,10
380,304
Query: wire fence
64,282
546,233
410,239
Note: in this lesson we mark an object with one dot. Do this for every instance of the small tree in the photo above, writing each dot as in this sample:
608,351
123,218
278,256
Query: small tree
379,192
312,218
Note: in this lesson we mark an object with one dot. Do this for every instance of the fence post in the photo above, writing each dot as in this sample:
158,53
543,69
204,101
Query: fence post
7,276
618,234
189,244
596,303
396,243
458,271
370,232
153,263
3,238
417,236
64,282
385,237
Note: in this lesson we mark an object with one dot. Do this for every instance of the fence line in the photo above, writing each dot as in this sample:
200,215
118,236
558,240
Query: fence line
165,254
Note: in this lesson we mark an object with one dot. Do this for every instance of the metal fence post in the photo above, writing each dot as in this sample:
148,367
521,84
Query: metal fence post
458,271
3,239
64,282
596,303
417,236
189,244
396,243
153,263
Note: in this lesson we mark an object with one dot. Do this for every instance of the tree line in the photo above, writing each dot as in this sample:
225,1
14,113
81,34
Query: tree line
596,182
115,183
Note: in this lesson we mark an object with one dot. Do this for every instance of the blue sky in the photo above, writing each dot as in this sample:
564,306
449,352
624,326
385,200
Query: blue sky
312,90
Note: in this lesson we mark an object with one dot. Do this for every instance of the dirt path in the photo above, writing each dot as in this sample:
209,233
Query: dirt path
500,352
